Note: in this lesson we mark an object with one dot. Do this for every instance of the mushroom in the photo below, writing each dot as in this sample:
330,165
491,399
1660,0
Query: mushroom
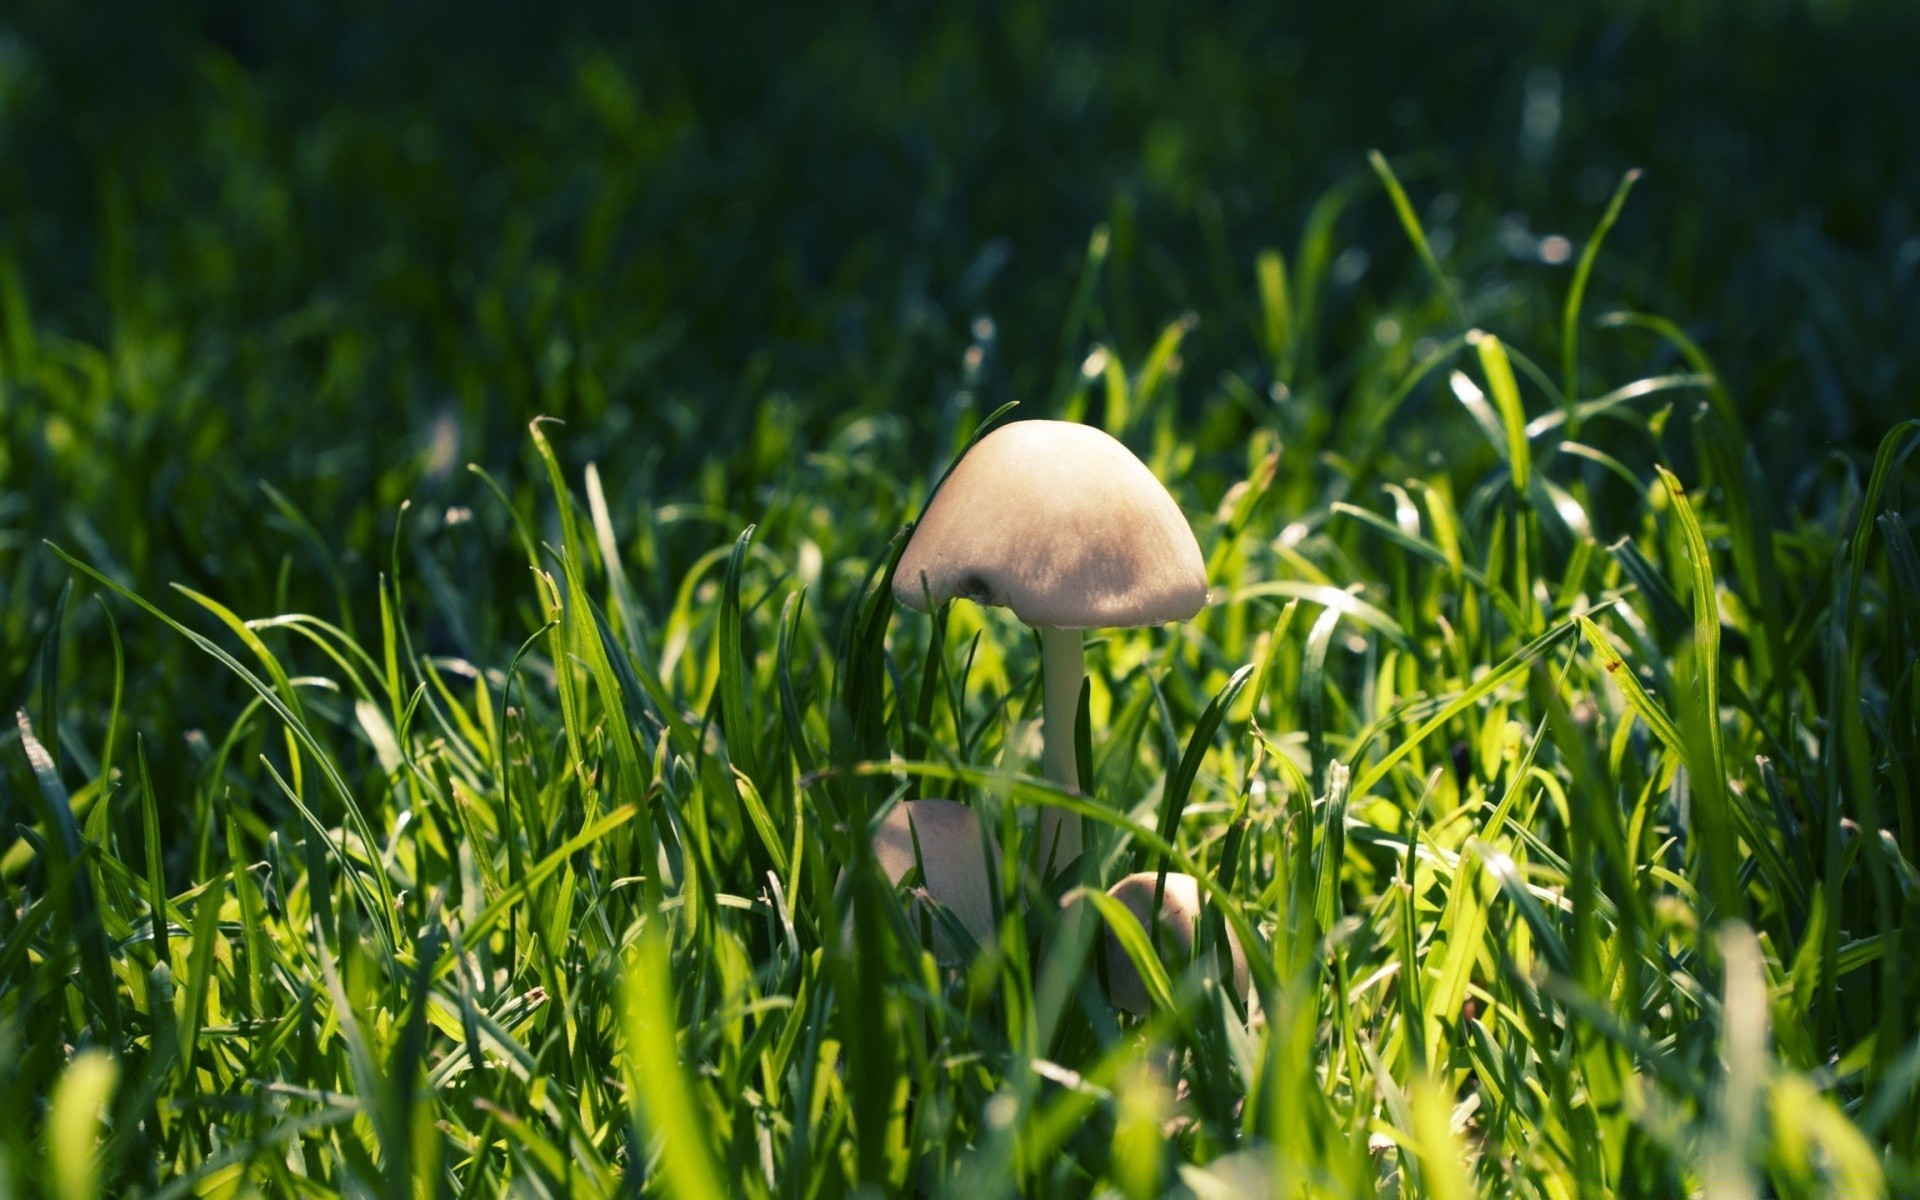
956,865
1062,524
1179,913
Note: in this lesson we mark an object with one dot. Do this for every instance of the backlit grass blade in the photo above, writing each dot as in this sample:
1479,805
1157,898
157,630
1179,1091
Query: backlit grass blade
75,1124
1576,293
1173,801
1313,687
72,882
1099,243
1728,1157
1669,615
1567,420
1506,672
1700,726
1276,307
580,634
1410,224
1443,1173
1132,936
156,873
1463,921
1506,401
1513,885
1643,705
1163,360
733,688
112,741
1485,416
1717,393
50,674
1330,597
252,985
299,728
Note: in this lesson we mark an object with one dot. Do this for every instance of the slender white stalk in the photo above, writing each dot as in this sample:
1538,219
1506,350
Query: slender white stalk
1063,667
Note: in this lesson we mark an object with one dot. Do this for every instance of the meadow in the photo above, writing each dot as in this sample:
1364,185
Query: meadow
451,469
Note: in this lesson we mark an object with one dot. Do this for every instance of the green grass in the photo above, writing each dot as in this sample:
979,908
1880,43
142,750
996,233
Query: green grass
1550,740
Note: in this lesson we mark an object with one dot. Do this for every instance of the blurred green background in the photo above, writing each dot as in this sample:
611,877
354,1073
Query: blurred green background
347,248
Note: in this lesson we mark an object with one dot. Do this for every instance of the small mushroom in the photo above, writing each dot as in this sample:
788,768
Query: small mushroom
1179,913
1062,524
955,867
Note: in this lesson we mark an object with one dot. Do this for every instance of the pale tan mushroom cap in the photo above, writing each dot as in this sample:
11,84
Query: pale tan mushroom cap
954,864
1060,523
1179,910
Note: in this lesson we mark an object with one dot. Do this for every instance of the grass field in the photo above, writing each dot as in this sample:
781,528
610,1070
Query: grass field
450,471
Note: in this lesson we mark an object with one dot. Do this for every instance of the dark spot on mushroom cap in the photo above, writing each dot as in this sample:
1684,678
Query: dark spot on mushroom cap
974,586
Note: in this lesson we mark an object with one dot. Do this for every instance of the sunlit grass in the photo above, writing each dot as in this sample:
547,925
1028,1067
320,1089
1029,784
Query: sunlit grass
503,831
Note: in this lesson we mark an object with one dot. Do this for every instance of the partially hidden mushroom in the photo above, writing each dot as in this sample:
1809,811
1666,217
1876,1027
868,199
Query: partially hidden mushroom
1179,917
1065,526
957,865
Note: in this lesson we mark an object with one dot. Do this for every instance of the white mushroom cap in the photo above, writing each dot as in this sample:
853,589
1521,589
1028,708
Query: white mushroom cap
1060,523
1179,912
954,867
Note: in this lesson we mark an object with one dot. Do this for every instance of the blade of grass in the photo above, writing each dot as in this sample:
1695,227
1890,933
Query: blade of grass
1576,293
1410,223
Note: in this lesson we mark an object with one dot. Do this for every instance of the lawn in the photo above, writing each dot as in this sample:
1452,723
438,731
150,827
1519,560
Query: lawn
452,464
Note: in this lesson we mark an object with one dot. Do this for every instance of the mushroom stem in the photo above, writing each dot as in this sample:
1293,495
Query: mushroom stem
1063,667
